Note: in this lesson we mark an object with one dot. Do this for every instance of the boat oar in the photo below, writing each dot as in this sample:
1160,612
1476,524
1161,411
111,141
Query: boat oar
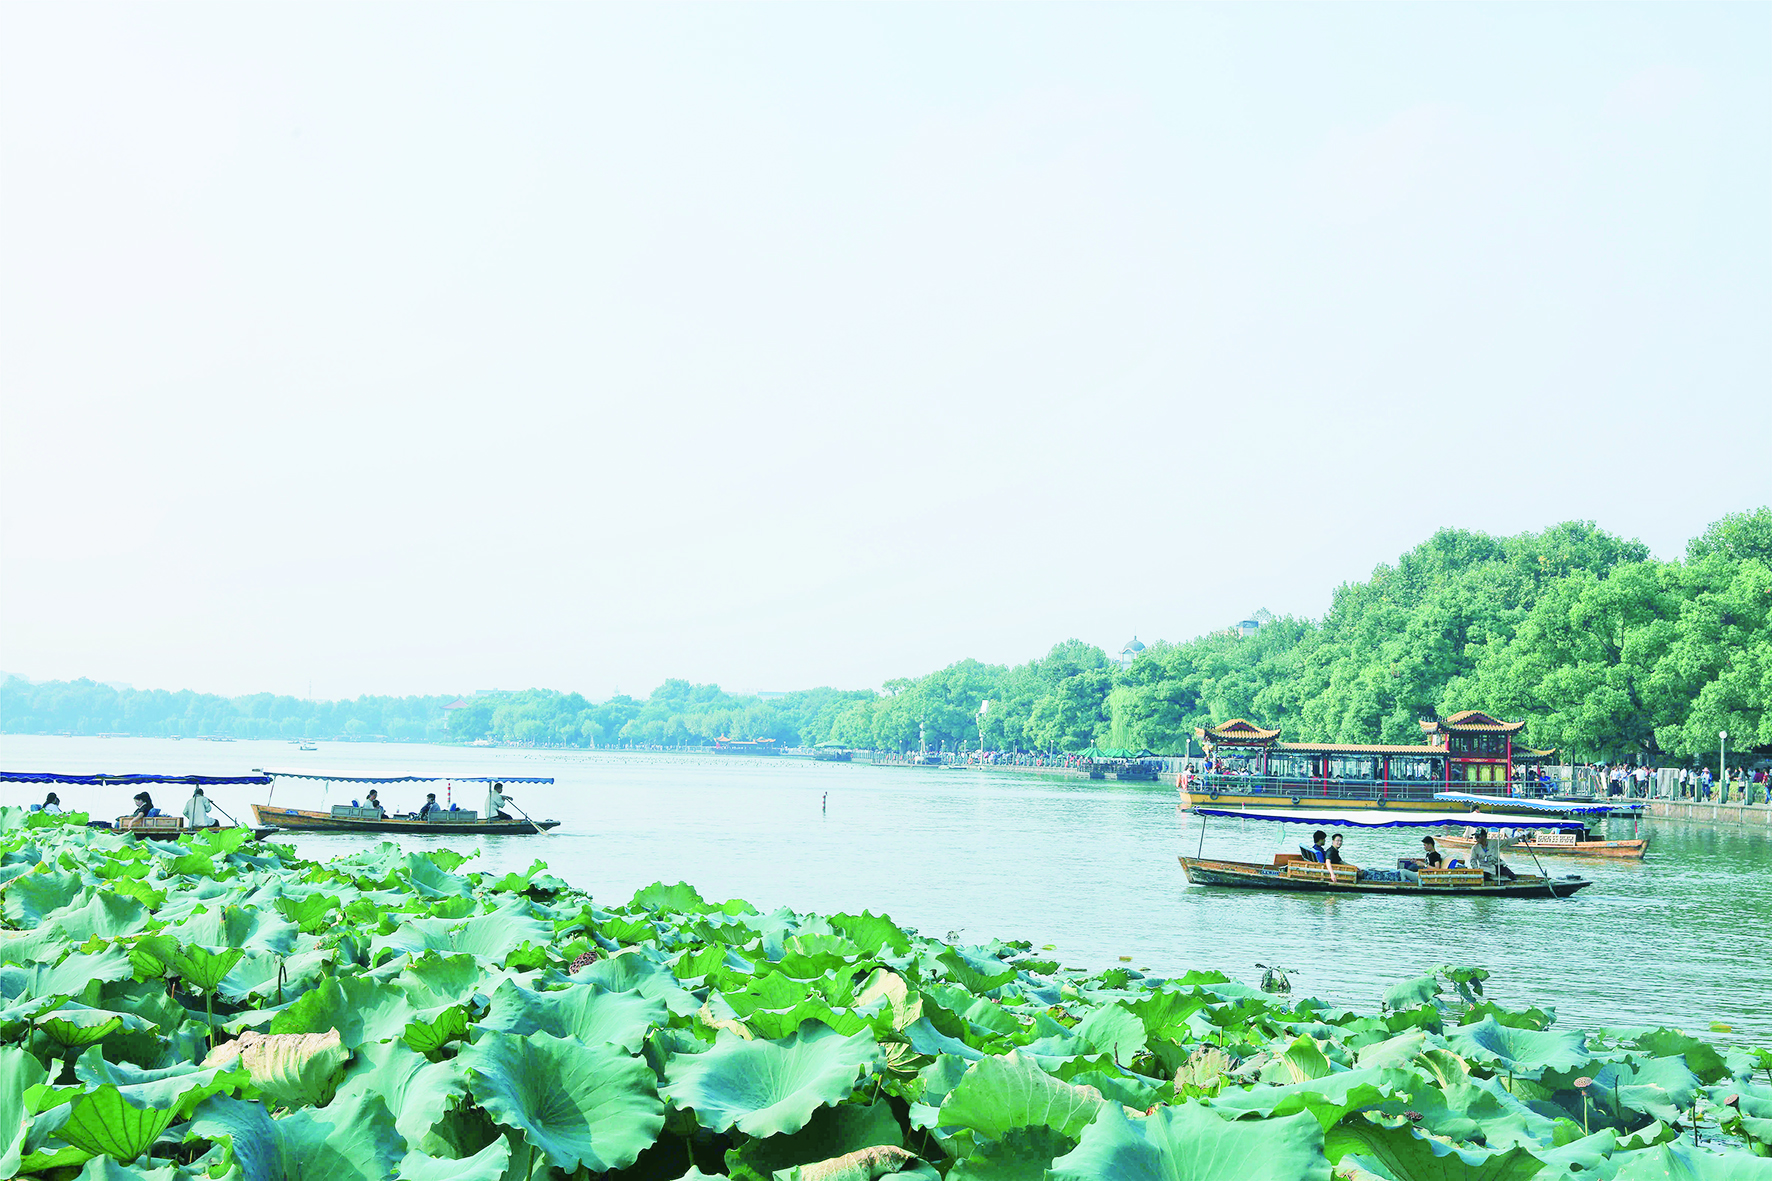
532,824
224,812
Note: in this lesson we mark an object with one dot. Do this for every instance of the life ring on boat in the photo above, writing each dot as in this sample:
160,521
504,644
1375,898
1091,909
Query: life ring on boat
1295,801
1212,795
1383,803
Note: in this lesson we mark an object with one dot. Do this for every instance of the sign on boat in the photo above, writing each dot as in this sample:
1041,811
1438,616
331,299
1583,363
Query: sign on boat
1297,872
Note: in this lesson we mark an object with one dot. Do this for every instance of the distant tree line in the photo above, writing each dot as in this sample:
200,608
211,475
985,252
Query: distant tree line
1606,652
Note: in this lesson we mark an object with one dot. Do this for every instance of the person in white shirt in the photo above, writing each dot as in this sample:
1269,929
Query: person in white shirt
495,802
1485,857
197,811
51,803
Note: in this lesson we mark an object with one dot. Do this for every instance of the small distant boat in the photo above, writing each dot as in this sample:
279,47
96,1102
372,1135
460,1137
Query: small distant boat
1558,844
1294,872
308,746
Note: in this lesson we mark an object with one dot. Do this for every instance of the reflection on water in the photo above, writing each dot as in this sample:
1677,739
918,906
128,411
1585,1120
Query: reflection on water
1681,939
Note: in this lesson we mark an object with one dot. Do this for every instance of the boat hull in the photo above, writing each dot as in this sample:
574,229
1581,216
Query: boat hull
288,820
1191,796
1616,850
1249,876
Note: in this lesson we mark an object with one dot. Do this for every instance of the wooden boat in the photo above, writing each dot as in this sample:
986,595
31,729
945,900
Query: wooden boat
469,824
1295,872
1290,871
1562,845
354,819
168,828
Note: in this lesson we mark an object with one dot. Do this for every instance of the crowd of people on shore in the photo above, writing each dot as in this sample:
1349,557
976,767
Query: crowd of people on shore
1742,785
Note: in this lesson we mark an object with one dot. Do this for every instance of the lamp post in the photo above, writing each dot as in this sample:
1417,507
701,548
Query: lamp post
1722,766
982,707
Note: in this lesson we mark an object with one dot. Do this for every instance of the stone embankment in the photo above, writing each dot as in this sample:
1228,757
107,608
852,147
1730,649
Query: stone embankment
1752,816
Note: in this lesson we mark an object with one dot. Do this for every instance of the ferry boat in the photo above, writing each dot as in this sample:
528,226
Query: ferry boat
167,823
1249,767
354,818
1299,873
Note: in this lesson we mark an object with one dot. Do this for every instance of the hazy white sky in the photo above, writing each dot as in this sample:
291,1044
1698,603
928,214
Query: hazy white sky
424,348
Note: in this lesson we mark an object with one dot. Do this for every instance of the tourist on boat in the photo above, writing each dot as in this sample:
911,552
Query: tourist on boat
197,811
430,805
51,803
1430,856
1485,857
374,801
495,802
1333,856
144,806
1316,851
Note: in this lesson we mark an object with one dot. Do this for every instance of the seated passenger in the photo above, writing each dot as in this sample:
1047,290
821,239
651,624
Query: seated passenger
1317,852
1430,856
372,801
430,805
1334,856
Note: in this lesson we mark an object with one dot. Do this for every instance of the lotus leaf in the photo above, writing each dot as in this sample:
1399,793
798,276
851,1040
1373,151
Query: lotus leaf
1701,1059
237,928
585,1012
107,913
432,882
578,1104
74,973
1329,1098
360,1009
19,1072
347,1140
183,1085
1525,1053
291,1069
1189,1141
489,1164
864,1164
29,900
1023,1154
678,899
104,1122
998,1094
1659,1087
1407,1155
769,1088
429,1037
75,1026
418,1092
202,968
832,1132
872,933
1682,1162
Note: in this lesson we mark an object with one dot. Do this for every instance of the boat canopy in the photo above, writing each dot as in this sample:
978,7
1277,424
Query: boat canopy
398,778
128,780
1387,818
1568,808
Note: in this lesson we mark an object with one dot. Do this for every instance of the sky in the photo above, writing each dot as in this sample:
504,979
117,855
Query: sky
424,348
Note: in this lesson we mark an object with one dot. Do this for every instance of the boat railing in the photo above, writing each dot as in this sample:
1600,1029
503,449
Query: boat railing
1355,789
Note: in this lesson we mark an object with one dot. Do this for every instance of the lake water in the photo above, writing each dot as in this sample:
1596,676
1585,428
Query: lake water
1683,938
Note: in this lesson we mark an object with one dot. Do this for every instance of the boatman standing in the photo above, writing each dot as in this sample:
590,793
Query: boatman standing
197,811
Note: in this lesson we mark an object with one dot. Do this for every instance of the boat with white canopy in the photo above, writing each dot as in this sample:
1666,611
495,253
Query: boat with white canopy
1300,872
1582,842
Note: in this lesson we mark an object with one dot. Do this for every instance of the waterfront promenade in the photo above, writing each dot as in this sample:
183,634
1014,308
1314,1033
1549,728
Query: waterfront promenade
1754,817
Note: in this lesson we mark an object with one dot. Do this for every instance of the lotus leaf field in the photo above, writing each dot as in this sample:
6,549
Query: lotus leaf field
212,1007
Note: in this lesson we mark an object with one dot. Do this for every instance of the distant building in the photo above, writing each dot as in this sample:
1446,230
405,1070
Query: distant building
1130,652
458,703
1260,619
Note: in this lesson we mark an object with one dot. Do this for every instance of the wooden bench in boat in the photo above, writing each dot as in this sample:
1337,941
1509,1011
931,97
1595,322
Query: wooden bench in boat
1304,868
151,823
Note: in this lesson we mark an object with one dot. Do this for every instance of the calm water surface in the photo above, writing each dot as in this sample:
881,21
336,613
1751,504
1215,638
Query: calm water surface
1684,938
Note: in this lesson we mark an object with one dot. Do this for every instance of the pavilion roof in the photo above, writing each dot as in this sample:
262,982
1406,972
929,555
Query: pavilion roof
1236,730
1472,721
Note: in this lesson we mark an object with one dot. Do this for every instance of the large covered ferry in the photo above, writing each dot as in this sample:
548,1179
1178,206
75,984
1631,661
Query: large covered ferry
1249,767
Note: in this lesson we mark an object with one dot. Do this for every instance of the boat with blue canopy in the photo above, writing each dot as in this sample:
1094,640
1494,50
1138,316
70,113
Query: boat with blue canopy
355,817
1301,872
1584,842
157,823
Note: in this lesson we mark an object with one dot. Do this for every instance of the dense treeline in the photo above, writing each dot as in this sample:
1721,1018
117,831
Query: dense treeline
1608,653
